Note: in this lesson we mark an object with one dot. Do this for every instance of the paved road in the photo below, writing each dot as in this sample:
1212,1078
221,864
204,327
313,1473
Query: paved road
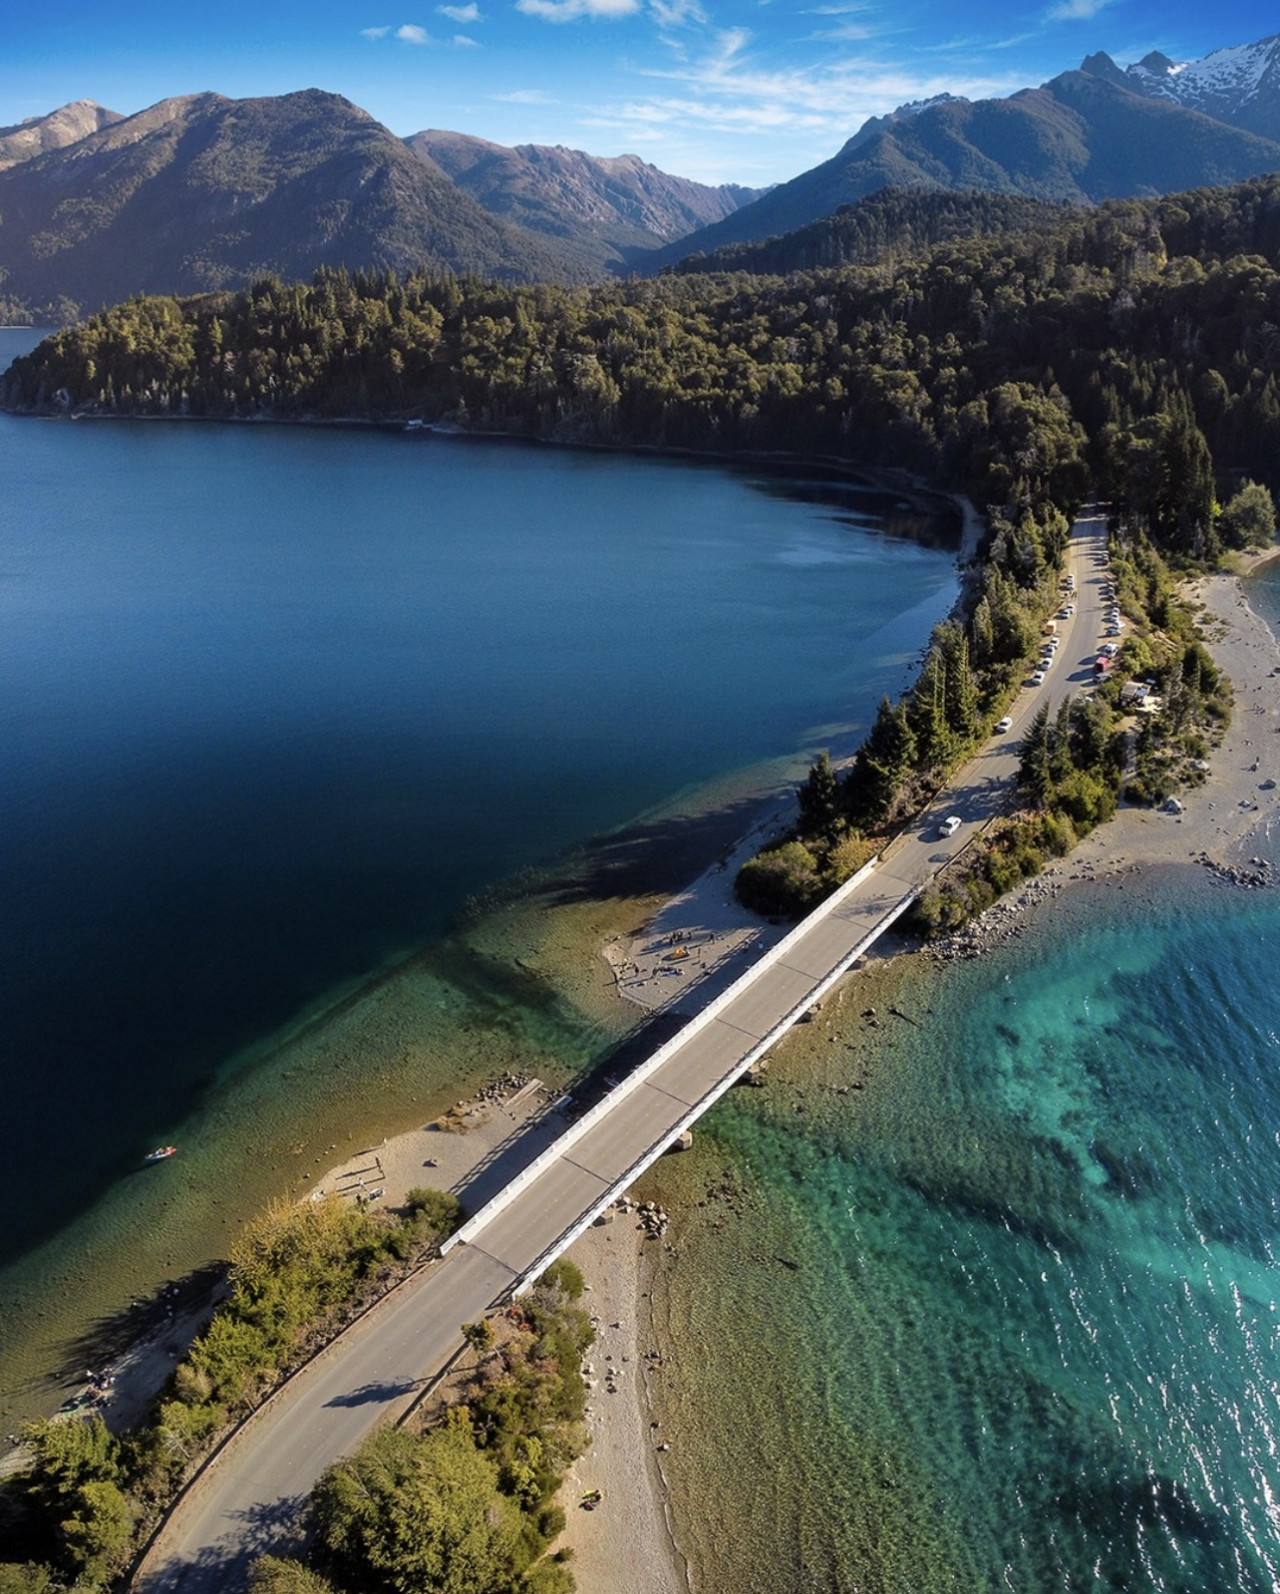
249,1497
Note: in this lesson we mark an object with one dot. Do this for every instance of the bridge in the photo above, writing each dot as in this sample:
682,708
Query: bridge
248,1498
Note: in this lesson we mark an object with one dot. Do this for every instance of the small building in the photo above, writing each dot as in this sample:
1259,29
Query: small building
1133,694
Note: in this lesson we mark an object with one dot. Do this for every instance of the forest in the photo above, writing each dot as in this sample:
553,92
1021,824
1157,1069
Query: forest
1129,352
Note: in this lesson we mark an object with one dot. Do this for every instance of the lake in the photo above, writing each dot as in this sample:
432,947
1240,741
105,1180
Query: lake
279,701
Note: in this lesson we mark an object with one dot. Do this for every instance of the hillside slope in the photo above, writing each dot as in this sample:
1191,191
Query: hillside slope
607,211
38,134
1079,139
204,192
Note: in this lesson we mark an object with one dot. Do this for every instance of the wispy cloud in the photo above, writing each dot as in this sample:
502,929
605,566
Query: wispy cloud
574,10
845,33
676,13
465,43
730,88
1075,10
374,33
525,97
464,14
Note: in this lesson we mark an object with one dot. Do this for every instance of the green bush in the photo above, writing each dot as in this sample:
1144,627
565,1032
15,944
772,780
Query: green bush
419,1515
784,882
565,1276
437,1210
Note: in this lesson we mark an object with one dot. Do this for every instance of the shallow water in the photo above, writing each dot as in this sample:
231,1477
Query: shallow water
1031,1342
275,703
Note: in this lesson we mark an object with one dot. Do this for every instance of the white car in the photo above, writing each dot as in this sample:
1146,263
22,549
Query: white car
1038,678
1006,724
948,827
1053,644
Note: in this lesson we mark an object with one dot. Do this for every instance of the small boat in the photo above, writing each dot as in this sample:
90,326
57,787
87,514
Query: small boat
160,1153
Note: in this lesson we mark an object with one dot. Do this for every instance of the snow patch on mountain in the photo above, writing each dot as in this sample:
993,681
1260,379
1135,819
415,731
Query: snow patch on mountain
1225,81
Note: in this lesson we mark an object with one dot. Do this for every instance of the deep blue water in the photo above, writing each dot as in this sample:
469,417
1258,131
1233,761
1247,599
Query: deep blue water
275,701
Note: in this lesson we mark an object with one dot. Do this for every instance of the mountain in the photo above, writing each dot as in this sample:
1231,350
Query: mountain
606,211
205,192
1083,137
1239,85
67,125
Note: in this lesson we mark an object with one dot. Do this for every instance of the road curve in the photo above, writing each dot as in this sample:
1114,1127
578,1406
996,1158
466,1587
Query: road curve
248,1499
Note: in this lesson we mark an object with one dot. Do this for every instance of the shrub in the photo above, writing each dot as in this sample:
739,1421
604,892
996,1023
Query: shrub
437,1210
785,881
847,856
565,1276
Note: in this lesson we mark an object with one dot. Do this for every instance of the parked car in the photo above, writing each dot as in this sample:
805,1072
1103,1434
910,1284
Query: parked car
1006,724
949,826
1038,678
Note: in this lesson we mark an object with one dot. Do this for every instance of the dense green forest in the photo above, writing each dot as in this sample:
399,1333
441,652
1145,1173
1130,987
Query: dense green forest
1131,350
891,224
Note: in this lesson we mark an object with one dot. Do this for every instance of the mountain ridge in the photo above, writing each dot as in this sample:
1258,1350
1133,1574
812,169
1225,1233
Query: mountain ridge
1083,137
1238,84
609,210
56,130
201,192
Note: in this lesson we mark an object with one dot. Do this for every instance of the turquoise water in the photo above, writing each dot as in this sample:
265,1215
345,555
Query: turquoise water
1033,1341
276,702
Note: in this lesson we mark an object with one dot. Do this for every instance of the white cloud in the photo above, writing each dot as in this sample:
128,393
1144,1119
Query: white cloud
676,13
411,33
572,10
374,33
525,97
469,13
845,33
1075,10
731,89
467,44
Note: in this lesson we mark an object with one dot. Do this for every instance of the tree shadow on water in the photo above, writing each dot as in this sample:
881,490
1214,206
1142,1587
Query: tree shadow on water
657,857
111,1336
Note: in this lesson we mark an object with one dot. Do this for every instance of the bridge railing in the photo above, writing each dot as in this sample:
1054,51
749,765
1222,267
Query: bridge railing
652,1063
628,1177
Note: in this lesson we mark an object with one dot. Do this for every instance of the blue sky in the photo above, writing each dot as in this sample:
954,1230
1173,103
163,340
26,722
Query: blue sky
751,91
